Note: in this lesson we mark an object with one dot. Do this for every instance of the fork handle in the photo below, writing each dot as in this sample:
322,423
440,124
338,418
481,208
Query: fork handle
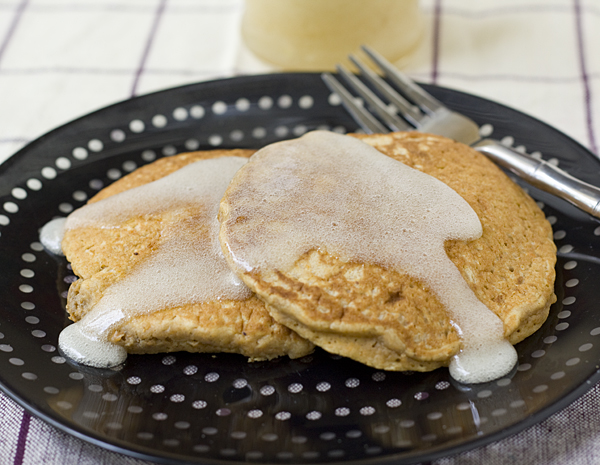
543,175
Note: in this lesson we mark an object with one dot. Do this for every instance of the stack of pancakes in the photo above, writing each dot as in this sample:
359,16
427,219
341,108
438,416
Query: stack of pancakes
382,317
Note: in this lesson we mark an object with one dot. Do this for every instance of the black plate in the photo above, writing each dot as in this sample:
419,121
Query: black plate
219,408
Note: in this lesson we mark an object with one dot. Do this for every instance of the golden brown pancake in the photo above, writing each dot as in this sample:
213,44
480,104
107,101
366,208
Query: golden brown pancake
386,318
102,257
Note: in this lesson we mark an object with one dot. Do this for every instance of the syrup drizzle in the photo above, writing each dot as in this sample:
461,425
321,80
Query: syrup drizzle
338,194
188,266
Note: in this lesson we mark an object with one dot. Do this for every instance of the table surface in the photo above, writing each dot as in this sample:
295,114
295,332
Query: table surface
61,59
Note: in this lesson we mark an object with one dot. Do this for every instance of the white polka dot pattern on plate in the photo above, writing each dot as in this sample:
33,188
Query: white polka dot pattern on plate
118,135
570,265
259,132
137,126
113,174
80,153
352,383
219,107
314,415
242,104
285,101
169,150
211,377
236,135
295,388
267,390
240,383
323,386
159,121
199,404
197,112
215,140
192,144
95,145
129,166
283,416
19,193
265,103
334,100
368,410
256,413
48,172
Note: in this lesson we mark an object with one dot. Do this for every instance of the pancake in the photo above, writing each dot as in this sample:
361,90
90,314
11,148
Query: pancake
358,305
106,251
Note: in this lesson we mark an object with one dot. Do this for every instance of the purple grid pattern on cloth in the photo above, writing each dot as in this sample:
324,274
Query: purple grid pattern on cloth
141,58
27,440
579,18
585,77
159,12
61,60
124,58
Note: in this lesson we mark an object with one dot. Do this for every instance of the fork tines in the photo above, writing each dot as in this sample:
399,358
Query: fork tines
416,114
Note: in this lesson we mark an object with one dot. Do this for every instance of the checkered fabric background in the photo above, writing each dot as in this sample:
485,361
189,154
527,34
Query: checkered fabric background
60,59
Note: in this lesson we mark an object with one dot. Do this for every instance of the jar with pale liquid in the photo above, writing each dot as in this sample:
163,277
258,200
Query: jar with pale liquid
314,35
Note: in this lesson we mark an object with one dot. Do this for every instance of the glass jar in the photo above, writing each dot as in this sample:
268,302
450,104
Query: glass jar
314,35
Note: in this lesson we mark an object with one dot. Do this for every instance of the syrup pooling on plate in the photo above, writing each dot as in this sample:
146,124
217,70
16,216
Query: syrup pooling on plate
338,194
188,266
51,235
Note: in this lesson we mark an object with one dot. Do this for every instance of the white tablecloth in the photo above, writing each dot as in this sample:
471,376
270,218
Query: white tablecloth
60,59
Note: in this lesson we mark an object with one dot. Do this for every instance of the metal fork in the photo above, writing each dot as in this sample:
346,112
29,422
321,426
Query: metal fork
423,112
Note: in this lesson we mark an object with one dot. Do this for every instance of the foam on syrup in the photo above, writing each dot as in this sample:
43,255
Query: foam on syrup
188,267
340,195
